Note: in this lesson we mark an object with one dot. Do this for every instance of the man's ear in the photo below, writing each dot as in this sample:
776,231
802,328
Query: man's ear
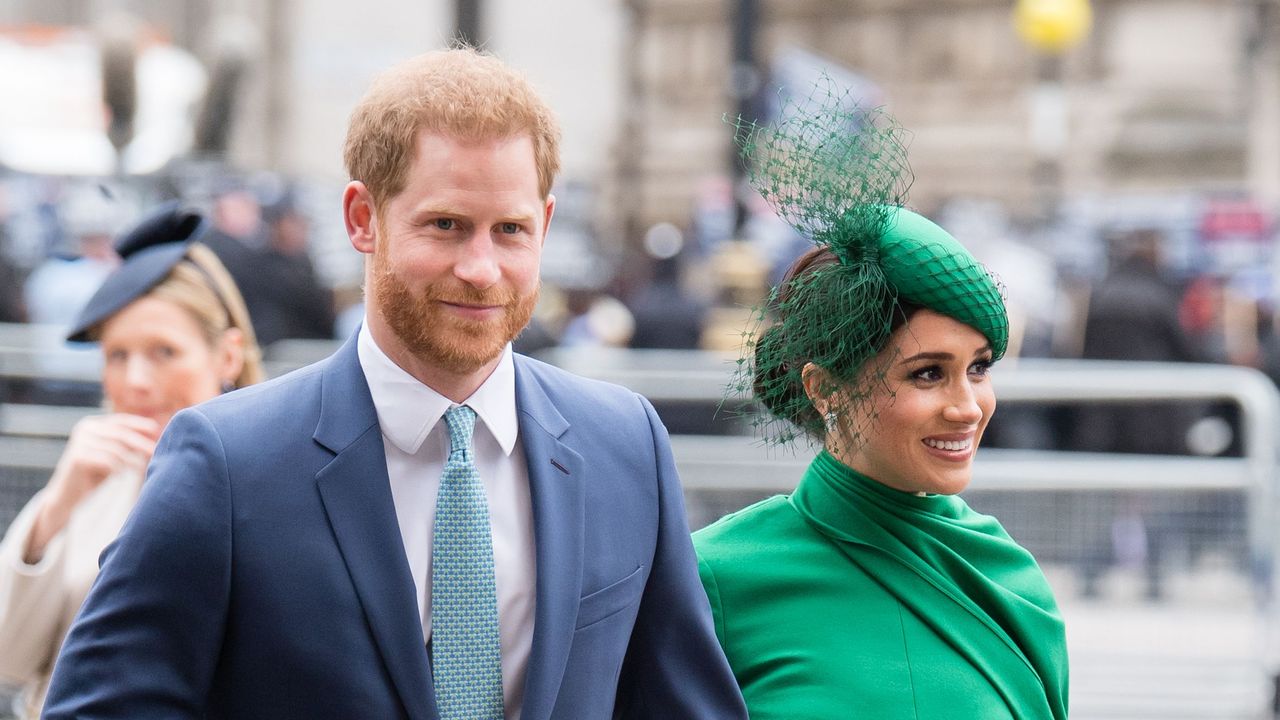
550,211
361,217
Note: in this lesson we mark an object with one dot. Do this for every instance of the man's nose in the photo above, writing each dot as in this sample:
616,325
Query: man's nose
478,264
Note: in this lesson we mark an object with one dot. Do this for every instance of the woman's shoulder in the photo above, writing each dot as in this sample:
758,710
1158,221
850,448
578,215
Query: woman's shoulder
771,526
746,523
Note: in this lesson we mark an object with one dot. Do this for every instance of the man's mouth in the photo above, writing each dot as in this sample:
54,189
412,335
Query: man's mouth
479,309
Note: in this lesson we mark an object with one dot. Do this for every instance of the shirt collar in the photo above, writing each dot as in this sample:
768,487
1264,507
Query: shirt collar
408,410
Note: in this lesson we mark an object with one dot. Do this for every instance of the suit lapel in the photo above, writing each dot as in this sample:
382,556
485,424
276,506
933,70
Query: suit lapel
556,487
357,498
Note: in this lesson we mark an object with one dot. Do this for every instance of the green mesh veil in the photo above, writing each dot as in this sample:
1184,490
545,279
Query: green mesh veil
838,174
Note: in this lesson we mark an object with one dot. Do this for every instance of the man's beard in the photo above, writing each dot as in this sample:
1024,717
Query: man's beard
436,336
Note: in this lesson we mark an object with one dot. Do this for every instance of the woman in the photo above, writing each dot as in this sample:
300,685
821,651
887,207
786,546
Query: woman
872,591
174,332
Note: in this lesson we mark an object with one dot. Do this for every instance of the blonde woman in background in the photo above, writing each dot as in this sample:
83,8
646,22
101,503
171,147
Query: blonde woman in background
174,332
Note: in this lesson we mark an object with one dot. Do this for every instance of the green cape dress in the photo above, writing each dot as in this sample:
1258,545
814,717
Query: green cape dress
850,599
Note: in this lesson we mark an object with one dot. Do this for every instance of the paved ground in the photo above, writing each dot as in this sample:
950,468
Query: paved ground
1198,655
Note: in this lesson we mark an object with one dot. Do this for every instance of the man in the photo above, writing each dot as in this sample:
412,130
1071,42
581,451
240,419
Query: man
423,525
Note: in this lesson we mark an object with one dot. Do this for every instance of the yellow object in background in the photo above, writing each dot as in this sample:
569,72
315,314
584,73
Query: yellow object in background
1052,26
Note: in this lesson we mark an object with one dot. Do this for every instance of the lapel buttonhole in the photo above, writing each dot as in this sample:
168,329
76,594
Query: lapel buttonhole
559,467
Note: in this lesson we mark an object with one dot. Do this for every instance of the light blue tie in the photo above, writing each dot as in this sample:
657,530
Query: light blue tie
466,654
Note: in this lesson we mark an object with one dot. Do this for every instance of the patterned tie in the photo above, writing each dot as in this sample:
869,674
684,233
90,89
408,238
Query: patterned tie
466,655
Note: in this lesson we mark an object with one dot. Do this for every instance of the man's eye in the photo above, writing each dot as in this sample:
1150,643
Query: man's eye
444,223
509,228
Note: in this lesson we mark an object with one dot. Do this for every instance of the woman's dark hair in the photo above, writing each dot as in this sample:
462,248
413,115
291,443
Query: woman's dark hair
786,397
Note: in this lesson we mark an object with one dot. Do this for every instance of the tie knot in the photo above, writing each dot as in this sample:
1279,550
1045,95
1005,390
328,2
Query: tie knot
462,424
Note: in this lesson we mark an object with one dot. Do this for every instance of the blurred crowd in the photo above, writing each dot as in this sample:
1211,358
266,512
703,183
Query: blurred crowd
1147,290
56,247
1188,287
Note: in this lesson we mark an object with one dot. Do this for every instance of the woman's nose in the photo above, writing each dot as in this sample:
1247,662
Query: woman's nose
138,373
963,405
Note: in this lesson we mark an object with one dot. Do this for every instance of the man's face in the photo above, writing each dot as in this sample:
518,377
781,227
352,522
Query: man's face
454,273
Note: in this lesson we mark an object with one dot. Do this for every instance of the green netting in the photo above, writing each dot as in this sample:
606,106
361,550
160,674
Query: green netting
835,175
838,174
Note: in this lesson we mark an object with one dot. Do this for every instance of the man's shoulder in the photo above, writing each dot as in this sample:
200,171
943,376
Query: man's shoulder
591,406
559,383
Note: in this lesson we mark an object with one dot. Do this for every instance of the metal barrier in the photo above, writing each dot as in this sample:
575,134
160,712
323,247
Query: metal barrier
1205,650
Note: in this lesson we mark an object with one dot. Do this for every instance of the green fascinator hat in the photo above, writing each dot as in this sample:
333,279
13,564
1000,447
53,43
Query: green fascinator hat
929,268
838,175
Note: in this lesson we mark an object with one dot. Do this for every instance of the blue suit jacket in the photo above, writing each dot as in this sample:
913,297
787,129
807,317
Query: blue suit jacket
262,573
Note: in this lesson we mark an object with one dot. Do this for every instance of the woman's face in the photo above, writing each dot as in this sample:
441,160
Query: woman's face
157,361
930,411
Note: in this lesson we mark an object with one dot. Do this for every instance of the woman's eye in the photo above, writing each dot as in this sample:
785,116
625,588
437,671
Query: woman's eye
444,223
928,374
982,368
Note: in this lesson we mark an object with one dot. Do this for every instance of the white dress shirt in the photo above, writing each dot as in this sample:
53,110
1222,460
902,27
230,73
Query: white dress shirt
417,445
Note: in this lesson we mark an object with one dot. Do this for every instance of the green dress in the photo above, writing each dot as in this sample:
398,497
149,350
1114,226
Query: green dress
850,599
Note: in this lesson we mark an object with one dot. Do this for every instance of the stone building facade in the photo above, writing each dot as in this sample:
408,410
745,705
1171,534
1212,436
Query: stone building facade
1162,96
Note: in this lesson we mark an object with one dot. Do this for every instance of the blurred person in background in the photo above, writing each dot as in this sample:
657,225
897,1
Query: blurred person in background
424,524
58,287
265,247
1268,360
12,307
666,315
237,236
595,319
236,226
285,296
12,310
173,331
1133,315
873,590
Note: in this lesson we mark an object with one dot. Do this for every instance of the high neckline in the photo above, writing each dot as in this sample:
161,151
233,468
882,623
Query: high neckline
943,560
832,492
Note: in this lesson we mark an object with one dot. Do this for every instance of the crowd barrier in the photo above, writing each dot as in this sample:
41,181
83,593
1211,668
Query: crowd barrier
1107,528
1165,564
